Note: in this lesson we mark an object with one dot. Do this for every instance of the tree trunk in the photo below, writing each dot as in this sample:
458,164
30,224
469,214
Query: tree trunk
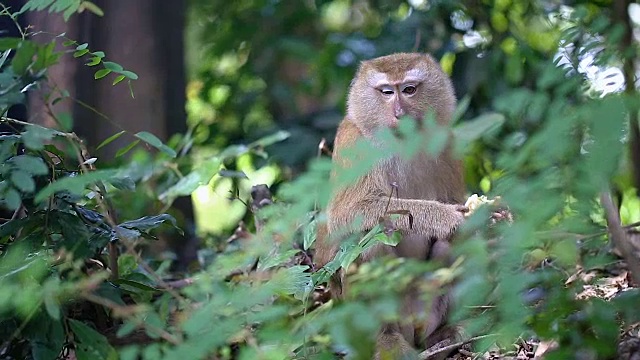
146,37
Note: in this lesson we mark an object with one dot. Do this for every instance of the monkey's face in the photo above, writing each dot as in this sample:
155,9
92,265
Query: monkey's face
399,98
389,88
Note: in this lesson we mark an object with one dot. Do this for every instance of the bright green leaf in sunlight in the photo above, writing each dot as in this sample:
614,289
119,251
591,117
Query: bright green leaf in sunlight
101,73
94,61
74,184
80,53
152,140
90,344
202,174
118,79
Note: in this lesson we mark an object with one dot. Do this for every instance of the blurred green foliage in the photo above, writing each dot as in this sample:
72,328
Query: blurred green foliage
545,127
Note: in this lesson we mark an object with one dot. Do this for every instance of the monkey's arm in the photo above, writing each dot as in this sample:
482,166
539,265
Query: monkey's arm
359,208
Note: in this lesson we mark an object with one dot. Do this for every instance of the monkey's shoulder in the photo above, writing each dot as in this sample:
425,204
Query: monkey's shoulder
347,132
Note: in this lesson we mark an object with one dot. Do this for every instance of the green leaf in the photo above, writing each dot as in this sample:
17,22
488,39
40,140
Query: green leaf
110,139
46,336
75,235
31,164
23,181
271,139
146,223
10,227
74,184
112,66
293,280
99,54
94,61
135,284
45,57
188,184
54,150
126,149
93,8
9,43
12,199
473,129
80,53
82,46
462,107
232,174
123,183
51,303
129,74
66,121
118,79
152,140
101,73
23,57
127,263
392,240
310,234
90,344
69,42
35,136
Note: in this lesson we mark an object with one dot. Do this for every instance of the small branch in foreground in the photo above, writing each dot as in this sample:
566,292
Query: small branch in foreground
619,236
427,354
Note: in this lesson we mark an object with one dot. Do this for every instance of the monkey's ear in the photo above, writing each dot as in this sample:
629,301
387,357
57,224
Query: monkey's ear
353,81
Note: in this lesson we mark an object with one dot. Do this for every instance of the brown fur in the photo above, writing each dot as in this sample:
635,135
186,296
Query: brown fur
431,189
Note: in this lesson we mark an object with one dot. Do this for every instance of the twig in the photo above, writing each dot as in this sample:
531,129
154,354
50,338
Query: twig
430,354
179,284
619,236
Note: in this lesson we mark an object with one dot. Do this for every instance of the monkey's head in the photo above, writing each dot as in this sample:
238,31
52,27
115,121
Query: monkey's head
389,87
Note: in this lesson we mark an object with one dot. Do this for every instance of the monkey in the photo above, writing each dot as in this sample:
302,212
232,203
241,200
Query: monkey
431,188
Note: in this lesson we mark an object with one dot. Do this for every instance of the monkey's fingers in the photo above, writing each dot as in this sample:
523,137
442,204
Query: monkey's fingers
501,215
462,208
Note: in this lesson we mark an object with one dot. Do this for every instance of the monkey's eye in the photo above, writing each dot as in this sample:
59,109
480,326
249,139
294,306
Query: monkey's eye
409,90
386,91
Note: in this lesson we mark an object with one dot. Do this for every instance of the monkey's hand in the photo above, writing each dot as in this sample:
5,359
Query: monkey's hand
446,220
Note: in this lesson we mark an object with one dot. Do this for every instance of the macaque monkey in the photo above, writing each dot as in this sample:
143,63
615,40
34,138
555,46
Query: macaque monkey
431,188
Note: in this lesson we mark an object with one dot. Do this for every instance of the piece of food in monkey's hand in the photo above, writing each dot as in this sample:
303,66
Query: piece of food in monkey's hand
474,202
499,213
